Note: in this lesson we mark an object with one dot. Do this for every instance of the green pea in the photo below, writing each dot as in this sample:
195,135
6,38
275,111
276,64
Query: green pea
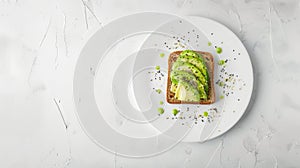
221,62
219,50
158,91
175,112
160,110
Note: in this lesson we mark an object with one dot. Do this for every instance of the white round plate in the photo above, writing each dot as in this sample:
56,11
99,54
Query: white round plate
117,88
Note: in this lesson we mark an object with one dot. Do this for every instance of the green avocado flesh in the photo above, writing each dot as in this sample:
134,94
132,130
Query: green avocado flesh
189,77
188,67
186,92
196,62
177,76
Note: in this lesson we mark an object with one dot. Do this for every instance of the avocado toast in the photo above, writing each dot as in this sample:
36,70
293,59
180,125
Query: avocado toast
190,78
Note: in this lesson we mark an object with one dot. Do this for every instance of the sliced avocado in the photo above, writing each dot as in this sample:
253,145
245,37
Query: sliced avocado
191,53
177,76
197,62
186,92
196,59
188,67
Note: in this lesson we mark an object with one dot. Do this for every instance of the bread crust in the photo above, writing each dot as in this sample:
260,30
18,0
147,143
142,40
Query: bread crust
209,60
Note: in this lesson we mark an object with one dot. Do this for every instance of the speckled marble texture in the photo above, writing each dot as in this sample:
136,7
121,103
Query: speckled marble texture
39,44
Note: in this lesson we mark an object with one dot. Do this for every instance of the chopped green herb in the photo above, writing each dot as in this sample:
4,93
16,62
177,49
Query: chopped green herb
205,113
157,67
219,50
158,91
161,102
209,43
221,83
160,110
162,55
222,97
221,62
175,112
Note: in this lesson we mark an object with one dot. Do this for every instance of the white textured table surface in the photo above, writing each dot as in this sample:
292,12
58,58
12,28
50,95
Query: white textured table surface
39,44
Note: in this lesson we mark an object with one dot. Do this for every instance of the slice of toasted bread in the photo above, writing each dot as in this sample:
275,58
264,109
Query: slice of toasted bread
209,60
